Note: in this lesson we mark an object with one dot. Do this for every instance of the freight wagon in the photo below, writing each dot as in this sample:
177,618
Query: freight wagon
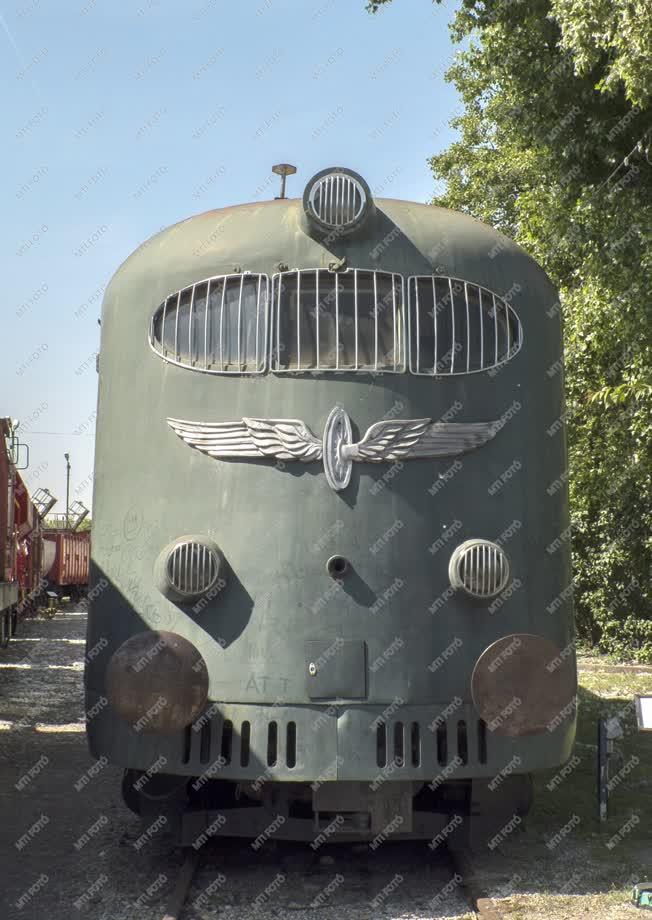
66,559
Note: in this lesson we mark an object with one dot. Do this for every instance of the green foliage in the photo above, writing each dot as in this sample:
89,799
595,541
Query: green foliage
555,151
615,35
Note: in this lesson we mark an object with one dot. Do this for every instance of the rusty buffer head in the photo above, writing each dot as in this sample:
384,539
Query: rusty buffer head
524,685
157,682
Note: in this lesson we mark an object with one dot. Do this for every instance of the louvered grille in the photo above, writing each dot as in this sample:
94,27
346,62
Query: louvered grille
233,742
192,568
452,739
218,325
481,568
337,200
349,320
457,327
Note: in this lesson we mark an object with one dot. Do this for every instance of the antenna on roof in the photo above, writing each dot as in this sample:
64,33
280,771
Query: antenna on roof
283,170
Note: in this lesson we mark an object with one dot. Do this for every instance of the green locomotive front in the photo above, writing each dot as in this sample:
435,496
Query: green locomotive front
331,580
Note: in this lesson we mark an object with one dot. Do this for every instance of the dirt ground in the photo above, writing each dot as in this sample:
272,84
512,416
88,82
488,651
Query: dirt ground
68,841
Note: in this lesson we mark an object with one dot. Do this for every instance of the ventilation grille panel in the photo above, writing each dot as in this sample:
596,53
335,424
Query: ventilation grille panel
192,568
480,568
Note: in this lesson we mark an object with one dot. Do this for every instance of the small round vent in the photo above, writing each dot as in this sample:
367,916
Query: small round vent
192,568
337,199
480,568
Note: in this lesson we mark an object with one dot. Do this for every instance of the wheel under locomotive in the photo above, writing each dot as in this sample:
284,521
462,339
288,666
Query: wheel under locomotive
330,588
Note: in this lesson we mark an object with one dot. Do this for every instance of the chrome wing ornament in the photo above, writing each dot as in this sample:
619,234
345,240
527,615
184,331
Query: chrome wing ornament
291,439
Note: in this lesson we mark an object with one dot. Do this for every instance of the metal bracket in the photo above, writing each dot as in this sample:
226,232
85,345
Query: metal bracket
16,447
337,265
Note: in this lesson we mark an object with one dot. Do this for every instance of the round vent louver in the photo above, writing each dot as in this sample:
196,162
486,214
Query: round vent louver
337,199
191,567
480,568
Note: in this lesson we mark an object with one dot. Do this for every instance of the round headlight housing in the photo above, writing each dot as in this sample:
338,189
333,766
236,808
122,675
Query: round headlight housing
337,199
480,568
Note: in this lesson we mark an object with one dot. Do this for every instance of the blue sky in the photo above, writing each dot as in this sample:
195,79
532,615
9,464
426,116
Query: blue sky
122,118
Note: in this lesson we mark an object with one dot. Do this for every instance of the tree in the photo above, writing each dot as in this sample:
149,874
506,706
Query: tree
555,150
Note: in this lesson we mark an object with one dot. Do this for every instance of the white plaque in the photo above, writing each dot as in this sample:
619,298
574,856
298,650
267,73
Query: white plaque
644,713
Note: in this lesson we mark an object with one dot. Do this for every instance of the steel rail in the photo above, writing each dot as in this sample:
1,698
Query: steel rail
182,886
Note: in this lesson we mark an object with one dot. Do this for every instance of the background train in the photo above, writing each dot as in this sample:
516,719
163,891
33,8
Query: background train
330,581
44,559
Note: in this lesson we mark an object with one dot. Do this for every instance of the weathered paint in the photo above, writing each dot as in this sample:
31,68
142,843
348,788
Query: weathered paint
278,525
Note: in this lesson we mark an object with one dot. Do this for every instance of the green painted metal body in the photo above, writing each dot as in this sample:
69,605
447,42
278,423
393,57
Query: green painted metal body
277,524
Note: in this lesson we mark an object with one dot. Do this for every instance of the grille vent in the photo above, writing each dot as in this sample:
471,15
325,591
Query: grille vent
349,320
458,328
480,568
217,326
192,568
452,740
337,200
232,742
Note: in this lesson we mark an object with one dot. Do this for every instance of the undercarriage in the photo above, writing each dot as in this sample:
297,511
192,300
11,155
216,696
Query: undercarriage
464,813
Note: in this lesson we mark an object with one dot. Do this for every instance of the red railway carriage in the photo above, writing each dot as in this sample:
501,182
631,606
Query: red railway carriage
8,545
29,536
22,582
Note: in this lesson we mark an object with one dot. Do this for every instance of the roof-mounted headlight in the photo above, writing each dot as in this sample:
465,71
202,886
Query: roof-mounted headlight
337,200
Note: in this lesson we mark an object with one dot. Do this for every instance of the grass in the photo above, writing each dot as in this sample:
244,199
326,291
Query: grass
581,875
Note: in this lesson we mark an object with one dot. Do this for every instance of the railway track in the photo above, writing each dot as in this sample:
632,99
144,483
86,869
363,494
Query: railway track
463,875
483,906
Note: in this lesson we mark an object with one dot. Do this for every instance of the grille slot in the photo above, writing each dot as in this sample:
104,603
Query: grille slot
291,744
415,744
272,743
227,741
457,327
381,744
398,744
187,744
192,568
480,568
462,742
442,744
482,741
205,743
245,737
337,200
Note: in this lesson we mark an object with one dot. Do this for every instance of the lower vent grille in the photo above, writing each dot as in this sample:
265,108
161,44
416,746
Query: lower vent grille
208,739
452,740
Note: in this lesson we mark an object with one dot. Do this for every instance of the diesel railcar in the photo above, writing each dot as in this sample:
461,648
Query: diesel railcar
330,592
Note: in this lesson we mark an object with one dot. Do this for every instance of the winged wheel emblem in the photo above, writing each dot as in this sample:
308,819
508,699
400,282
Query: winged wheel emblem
291,439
